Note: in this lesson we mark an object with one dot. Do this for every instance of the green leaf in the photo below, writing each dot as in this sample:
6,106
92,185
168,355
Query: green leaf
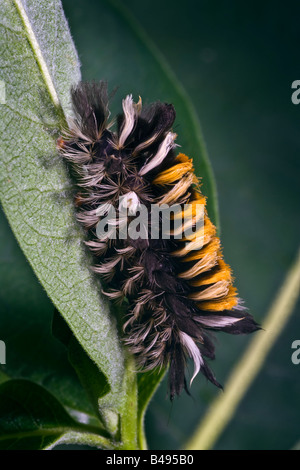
25,327
93,380
123,426
147,385
34,184
30,417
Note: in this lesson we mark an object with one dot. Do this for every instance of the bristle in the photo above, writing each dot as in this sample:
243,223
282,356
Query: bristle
178,287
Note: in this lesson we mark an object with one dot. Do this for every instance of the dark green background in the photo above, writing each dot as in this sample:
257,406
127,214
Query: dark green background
237,62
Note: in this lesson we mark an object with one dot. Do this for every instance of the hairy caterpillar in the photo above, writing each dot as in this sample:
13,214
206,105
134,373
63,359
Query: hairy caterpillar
178,290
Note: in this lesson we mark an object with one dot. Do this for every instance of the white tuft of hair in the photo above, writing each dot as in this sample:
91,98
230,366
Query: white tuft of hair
129,109
193,352
163,150
217,321
130,202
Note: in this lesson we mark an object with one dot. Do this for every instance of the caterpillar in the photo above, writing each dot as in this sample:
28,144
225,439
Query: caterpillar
178,289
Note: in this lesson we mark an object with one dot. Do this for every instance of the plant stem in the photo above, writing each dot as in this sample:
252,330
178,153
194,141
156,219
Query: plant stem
129,415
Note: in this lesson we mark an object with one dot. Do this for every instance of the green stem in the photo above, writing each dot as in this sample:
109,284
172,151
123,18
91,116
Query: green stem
224,407
129,414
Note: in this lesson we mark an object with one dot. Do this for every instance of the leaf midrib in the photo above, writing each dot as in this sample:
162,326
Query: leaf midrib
37,53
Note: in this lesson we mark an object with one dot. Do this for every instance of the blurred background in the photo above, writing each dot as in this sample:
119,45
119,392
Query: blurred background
237,62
